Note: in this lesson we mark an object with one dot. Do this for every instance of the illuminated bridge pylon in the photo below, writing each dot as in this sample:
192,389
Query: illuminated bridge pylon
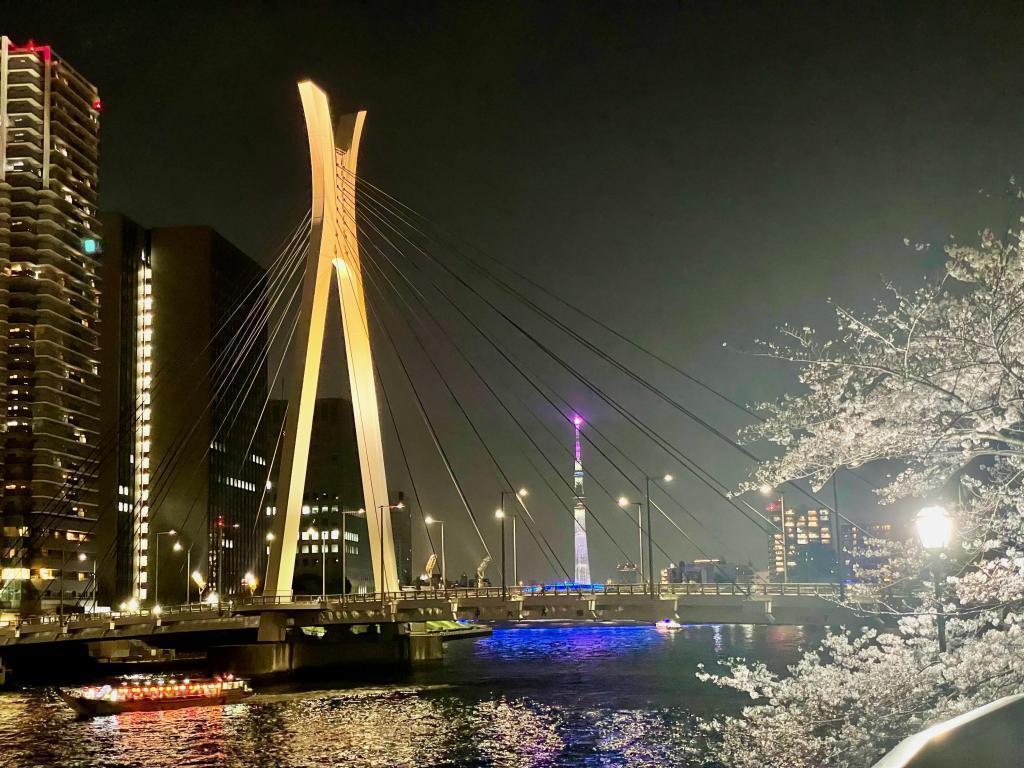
333,251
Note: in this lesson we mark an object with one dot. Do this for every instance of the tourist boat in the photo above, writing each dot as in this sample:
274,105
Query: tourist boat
142,693
668,625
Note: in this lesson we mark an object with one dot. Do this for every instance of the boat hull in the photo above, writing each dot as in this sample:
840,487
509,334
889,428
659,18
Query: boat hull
99,707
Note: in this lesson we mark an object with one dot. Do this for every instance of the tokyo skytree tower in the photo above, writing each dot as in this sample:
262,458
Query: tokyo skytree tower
581,572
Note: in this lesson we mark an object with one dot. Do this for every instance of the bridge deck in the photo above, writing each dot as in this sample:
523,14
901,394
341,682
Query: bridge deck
692,603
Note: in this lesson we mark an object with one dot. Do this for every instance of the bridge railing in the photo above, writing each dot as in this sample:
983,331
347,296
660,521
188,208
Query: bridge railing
229,607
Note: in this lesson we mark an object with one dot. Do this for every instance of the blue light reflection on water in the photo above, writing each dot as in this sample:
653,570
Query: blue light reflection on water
551,696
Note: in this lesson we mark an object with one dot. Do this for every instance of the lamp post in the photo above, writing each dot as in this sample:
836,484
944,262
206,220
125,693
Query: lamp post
521,494
624,502
380,525
650,531
500,514
82,558
156,563
428,520
178,546
344,561
266,573
935,529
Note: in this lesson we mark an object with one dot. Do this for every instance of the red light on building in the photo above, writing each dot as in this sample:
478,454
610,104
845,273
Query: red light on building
44,51
97,105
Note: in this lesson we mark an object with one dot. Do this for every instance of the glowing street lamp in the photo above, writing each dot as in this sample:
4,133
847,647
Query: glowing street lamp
178,546
650,541
266,576
521,494
380,524
624,502
935,530
156,562
500,515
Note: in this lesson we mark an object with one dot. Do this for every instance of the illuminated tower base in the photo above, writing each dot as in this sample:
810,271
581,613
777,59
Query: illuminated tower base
581,571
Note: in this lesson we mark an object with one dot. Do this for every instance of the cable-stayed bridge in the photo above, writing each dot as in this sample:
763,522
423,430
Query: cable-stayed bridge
467,355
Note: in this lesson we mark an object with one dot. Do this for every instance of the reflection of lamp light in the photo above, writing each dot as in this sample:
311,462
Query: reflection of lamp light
177,546
212,598
934,528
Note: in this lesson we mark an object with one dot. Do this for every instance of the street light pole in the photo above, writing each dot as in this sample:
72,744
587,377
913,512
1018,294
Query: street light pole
266,573
380,524
500,514
650,531
520,495
624,502
650,541
935,529
188,574
156,563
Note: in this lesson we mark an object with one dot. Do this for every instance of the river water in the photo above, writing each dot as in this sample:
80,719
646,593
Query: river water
540,696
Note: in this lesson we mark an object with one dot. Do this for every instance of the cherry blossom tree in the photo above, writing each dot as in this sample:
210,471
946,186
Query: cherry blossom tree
931,382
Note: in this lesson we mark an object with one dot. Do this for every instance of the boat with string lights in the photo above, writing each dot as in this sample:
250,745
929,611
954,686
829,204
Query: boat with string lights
144,693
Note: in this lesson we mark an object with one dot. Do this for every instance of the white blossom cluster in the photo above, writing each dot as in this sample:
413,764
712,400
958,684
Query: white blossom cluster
932,382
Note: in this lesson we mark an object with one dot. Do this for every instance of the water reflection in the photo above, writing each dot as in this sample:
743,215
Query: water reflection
558,696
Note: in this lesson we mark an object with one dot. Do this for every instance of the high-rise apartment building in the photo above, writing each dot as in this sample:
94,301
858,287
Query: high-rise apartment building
184,384
49,335
803,549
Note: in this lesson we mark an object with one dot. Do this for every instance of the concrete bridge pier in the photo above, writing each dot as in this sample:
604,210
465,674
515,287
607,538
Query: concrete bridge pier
363,649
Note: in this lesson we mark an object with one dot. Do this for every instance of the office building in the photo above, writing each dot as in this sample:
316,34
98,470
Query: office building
184,385
803,549
332,504
49,313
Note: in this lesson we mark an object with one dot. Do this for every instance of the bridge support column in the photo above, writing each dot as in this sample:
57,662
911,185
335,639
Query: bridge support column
333,247
358,651
273,626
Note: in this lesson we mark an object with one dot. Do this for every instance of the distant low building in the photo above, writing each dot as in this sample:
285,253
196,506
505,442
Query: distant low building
854,540
708,571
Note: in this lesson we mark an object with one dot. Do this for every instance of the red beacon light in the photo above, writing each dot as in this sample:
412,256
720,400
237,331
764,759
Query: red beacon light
97,105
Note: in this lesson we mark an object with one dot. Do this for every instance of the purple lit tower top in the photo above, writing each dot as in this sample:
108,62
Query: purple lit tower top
581,572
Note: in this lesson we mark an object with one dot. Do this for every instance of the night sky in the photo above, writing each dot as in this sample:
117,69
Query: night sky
694,173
